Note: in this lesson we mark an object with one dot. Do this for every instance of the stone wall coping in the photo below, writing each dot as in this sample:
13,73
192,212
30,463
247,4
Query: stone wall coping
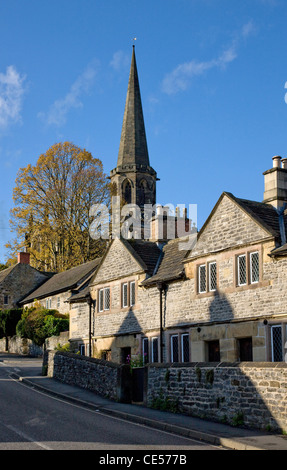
239,365
92,360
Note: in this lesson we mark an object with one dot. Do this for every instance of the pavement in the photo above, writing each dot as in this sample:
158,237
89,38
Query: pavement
29,372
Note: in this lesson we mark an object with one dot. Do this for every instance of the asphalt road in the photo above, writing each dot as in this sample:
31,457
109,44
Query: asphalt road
32,420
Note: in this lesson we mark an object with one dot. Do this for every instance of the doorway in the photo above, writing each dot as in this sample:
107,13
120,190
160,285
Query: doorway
245,349
125,355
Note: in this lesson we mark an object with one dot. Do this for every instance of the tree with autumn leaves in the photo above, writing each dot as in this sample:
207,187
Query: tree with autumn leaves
52,201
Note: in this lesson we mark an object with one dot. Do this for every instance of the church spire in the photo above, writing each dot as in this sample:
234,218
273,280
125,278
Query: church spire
134,180
133,144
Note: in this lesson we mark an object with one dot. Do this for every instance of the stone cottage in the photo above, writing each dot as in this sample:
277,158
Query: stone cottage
56,291
18,281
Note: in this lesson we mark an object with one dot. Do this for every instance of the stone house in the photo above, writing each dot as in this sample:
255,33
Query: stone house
119,303
18,281
229,305
56,291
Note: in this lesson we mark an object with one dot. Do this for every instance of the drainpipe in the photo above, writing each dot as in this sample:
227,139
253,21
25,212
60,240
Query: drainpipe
90,302
280,213
161,286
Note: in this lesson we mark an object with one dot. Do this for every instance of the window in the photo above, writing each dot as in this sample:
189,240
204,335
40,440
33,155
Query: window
132,293
104,299
202,278
254,267
58,302
207,277
212,276
145,351
276,343
248,268
174,348
154,349
48,303
107,298
125,295
241,270
6,299
128,294
185,347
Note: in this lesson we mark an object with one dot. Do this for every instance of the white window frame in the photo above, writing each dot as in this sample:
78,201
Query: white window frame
212,263
101,300
200,277
172,338
251,266
243,255
107,289
181,342
125,286
272,341
132,287
153,340
145,342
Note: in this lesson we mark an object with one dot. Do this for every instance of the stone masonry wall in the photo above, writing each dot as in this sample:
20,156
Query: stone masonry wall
252,394
105,378
17,345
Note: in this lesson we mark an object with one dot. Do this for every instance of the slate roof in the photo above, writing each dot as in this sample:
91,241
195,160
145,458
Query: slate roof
80,294
171,265
5,272
63,281
146,252
281,251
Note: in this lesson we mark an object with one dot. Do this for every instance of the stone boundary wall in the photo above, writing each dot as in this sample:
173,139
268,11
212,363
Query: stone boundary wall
105,378
22,346
250,394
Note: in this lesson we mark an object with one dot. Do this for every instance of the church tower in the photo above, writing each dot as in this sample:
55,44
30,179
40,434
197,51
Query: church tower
133,178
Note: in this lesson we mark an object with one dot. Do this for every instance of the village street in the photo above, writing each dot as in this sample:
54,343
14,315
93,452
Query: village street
32,420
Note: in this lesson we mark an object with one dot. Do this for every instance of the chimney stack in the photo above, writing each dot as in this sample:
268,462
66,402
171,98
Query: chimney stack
23,257
275,183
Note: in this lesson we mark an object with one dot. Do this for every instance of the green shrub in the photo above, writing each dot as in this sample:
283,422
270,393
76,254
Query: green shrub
40,323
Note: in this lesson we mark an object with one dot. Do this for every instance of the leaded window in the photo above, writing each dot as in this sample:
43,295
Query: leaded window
241,270
174,348
212,276
185,347
145,353
254,267
276,343
107,298
202,278
154,349
132,293
101,300
125,294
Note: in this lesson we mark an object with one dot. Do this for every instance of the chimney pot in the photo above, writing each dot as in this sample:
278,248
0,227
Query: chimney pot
276,161
284,163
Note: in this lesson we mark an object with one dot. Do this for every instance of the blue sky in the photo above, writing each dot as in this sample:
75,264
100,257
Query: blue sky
212,76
